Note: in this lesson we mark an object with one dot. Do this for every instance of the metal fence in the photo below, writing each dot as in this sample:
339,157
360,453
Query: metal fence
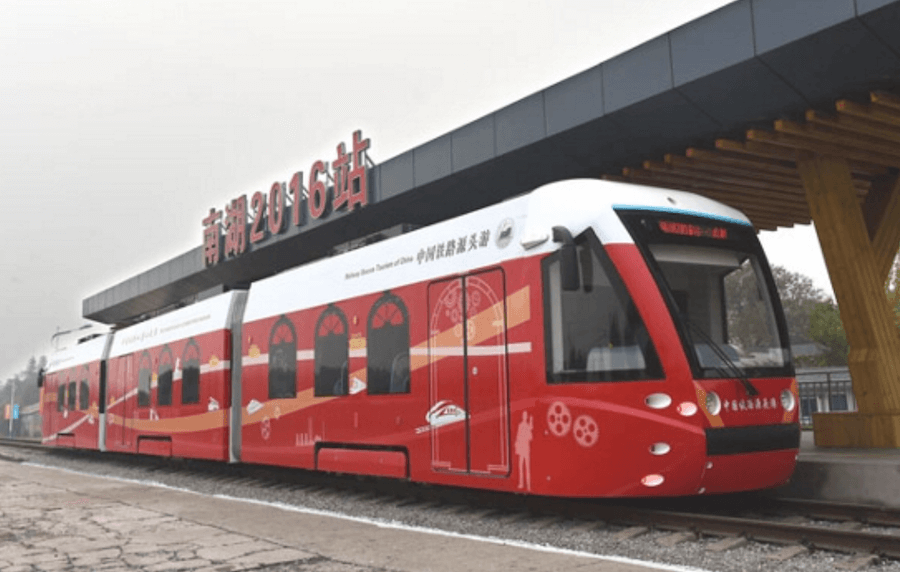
26,426
824,389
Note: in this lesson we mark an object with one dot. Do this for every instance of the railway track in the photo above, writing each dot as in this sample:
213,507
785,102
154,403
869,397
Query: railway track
814,525
804,525
808,533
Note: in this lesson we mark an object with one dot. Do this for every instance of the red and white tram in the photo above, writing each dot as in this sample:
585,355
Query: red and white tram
70,402
582,340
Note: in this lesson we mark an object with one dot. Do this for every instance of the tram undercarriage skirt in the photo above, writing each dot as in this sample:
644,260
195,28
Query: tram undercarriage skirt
752,439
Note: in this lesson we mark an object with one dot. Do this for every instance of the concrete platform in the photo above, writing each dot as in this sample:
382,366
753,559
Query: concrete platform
867,476
57,520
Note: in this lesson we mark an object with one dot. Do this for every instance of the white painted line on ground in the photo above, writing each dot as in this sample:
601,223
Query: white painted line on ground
392,524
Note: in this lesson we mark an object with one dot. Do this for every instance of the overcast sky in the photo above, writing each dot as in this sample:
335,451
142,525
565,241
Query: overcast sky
123,122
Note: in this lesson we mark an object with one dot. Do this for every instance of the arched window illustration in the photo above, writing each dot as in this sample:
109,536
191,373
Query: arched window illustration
61,392
145,372
72,395
332,353
164,379
190,373
84,392
283,360
387,346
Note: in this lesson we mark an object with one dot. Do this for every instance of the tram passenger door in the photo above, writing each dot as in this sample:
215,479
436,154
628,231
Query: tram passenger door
52,410
117,408
469,388
129,398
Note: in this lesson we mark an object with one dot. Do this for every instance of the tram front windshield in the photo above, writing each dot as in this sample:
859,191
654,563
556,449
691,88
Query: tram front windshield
720,291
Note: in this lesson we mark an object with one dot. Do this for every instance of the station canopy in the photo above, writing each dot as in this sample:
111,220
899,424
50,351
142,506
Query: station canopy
723,106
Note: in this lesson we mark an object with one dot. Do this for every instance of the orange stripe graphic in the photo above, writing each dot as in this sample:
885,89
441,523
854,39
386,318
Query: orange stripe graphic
278,407
189,424
519,312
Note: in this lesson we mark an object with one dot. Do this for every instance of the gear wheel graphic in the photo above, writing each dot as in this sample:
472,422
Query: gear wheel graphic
586,431
559,419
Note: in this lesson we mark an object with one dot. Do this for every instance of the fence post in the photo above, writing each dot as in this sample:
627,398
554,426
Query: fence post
828,379
12,401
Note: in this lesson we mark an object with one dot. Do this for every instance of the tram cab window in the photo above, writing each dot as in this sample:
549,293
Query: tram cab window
712,273
61,397
332,353
595,332
721,297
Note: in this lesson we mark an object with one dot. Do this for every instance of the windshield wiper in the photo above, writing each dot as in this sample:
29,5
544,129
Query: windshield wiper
720,353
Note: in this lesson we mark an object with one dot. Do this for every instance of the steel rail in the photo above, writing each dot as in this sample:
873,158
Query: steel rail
812,536
868,514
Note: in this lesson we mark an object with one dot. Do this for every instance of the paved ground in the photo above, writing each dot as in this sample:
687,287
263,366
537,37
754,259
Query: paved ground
861,476
56,520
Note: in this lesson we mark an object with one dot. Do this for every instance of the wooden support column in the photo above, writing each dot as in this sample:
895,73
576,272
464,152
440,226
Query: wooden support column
858,285
882,214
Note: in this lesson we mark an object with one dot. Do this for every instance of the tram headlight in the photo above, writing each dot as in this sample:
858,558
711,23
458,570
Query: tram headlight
787,400
713,403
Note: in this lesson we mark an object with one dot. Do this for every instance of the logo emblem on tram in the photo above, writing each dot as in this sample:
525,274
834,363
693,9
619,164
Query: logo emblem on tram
441,414
505,233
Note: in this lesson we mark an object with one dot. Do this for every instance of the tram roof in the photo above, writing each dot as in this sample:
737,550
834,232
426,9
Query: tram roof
736,69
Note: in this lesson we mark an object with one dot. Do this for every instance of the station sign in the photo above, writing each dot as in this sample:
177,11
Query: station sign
230,232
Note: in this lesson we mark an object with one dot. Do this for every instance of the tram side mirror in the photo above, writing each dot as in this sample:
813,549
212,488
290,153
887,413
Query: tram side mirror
587,270
568,259
40,377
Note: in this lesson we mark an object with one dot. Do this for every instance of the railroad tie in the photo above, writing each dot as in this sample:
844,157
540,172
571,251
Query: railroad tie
675,538
727,543
630,533
788,552
858,562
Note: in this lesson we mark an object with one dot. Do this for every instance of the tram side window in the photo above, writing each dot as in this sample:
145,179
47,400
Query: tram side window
72,396
190,373
387,346
61,397
595,332
84,395
164,379
283,360
144,376
332,353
